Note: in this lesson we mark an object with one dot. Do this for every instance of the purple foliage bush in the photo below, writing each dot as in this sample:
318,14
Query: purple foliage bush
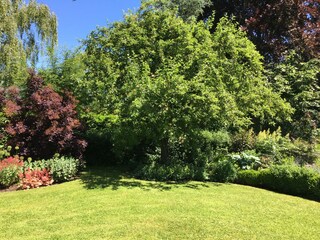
41,121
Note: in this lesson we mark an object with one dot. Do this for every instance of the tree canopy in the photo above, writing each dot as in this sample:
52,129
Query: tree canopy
157,78
298,82
25,30
187,8
275,26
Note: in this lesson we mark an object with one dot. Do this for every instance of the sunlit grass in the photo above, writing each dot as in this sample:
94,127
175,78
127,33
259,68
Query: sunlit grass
105,205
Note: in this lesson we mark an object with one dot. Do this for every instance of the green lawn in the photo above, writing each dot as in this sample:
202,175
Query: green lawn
105,205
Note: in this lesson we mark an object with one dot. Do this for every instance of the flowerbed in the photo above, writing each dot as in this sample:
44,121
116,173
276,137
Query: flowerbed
28,174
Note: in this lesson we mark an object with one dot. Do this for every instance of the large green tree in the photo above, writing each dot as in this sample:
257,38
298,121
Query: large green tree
278,28
158,79
25,30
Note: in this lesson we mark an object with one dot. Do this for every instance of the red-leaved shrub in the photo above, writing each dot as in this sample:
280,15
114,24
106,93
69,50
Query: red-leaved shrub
10,161
41,121
35,178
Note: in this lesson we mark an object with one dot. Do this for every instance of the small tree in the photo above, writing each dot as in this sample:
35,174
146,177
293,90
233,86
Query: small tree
42,122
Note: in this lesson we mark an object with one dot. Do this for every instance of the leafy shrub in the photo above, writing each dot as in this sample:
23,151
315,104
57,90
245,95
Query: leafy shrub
289,179
33,165
222,171
243,140
292,179
41,121
217,140
63,168
60,168
174,172
246,161
9,171
35,178
304,152
249,177
273,145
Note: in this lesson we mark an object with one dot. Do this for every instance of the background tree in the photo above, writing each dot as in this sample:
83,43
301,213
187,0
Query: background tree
157,79
65,71
25,29
275,26
298,82
187,8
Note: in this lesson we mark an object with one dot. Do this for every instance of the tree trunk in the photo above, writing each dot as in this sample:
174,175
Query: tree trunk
164,150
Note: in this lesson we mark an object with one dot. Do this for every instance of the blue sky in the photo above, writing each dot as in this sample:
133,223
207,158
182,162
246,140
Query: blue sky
78,18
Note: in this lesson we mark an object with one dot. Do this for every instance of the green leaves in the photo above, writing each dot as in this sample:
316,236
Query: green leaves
298,83
167,80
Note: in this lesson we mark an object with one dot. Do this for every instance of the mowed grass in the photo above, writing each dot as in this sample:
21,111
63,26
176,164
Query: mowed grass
105,205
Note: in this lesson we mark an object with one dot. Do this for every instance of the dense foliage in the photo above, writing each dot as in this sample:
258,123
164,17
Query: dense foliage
275,26
35,178
33,174
285,179
63,168
65,72
187,9
158,82
298,82
222,171
60,168
40,121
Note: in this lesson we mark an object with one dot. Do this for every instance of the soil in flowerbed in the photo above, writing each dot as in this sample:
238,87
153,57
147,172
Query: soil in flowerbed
12,188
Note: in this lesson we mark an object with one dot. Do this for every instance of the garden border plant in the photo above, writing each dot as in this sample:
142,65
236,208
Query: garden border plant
288,179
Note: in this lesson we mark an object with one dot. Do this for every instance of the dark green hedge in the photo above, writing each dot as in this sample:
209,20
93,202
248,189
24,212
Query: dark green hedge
289,179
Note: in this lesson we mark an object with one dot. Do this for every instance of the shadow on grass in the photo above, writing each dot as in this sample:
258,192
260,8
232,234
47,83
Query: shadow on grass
113,178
